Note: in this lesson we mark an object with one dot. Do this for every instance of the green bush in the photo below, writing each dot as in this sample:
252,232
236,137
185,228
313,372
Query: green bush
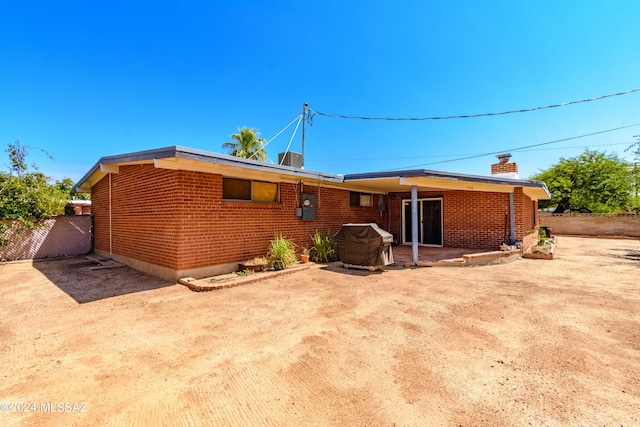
26,196
282,252
323,247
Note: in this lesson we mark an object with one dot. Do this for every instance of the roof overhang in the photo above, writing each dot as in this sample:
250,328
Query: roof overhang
182,158
425,180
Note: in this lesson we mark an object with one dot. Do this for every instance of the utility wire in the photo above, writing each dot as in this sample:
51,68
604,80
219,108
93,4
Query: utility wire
517,148
291,140
470,154
526,110
576,146
276,135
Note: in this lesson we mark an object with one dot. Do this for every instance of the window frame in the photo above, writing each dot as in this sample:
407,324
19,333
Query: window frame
359,194
251,198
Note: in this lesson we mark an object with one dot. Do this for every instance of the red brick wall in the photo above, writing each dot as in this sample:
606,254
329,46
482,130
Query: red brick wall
177,219
471,219
144,208
504,167
526,218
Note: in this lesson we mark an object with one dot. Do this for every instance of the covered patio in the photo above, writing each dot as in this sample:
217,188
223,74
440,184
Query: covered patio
433,213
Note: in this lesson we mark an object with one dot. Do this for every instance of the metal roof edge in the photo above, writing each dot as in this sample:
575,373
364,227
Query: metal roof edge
205,156
225,159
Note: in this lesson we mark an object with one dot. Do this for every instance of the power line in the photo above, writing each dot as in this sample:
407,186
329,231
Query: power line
470,154
470,116
575,146
298,117
517,148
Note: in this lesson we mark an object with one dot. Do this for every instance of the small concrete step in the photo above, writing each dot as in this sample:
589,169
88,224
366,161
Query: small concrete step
104,262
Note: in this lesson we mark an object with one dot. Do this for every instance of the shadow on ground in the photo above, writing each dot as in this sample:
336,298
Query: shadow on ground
75,277
337,267
628,254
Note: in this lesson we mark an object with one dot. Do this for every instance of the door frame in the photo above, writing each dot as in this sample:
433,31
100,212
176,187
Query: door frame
403,202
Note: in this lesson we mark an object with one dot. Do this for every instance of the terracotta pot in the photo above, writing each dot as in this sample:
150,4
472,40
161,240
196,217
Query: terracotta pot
304,258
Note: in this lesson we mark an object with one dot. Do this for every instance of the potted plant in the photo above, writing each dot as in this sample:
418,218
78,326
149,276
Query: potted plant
281,252
545,243
324,247
304,257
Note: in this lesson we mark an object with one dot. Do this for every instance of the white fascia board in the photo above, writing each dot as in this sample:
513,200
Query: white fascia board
109,168
454,184
188,165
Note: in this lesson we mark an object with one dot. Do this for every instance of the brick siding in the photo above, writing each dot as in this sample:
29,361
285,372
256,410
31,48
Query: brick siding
504,167
471,219
178,219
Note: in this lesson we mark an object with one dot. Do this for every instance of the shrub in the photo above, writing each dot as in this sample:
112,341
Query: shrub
323,247
281,253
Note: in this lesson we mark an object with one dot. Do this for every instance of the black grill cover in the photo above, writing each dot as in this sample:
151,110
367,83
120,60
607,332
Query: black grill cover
364,244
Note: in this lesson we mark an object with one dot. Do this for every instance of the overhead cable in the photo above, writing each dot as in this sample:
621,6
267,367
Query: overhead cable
276,135
470,116
518,148
291,140
470,154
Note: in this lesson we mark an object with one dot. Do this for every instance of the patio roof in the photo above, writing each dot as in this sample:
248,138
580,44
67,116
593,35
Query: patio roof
428,180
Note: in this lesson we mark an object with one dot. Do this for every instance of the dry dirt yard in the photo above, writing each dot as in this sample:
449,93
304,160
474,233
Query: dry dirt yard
533,342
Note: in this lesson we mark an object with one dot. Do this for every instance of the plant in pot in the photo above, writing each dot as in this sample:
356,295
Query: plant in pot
545,243
304,256
281,253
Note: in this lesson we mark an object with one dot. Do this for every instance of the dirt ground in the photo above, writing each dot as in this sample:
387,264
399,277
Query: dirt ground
532,342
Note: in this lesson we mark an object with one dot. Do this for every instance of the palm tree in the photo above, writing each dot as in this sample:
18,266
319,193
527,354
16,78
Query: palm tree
246,144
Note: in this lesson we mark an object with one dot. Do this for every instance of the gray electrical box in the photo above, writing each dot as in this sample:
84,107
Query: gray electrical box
308,206
290,159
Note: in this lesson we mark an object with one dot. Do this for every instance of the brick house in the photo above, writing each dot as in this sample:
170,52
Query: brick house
176,211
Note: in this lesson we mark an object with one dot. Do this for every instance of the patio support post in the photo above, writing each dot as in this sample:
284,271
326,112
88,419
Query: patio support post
414,223
512,220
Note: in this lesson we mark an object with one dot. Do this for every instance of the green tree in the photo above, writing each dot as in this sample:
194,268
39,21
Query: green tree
17,158
590,182
26,196
635,172
635,147
246,143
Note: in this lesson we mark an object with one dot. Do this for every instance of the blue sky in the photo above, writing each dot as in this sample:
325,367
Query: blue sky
83,80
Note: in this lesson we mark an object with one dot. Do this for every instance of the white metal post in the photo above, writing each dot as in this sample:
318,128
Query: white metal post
414,223
512,220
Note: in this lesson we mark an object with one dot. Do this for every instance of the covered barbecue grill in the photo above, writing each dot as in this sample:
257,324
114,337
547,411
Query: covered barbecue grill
364,245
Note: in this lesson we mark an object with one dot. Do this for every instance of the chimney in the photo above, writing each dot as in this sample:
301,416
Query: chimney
504,166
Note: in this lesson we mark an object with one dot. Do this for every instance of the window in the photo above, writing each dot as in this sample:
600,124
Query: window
236,189
246,189
265,192
360,199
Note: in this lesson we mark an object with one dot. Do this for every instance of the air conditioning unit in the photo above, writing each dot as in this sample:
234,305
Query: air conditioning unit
290,159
